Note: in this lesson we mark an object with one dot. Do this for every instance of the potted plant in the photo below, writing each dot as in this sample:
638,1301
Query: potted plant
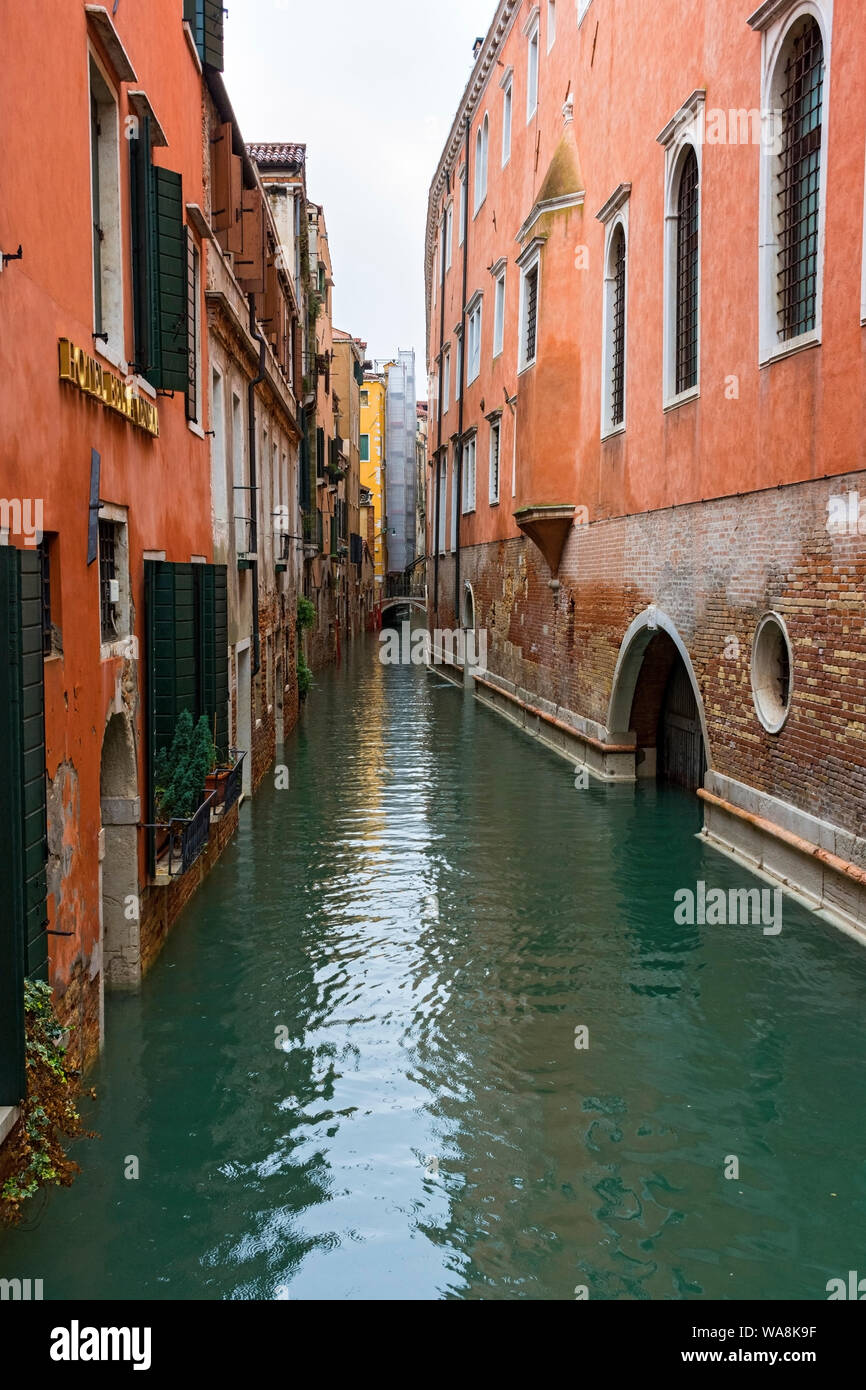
218,771
180,773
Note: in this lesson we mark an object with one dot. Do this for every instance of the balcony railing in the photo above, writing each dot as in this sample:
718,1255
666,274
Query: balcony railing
230,787
184,841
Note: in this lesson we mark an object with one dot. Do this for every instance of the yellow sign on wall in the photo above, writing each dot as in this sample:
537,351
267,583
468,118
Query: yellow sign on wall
84,372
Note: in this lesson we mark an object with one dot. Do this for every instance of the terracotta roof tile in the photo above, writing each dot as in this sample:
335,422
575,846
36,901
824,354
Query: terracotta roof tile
278,156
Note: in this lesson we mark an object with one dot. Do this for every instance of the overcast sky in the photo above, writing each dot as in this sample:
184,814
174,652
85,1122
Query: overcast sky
371,89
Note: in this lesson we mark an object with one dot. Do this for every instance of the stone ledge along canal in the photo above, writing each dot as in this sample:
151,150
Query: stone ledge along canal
353,1072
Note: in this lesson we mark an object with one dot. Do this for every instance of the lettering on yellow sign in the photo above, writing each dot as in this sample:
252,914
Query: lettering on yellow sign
86,374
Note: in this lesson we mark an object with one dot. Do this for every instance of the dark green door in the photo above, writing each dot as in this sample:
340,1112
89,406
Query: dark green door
23,840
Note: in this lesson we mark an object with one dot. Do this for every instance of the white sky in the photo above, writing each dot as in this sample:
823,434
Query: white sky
371,89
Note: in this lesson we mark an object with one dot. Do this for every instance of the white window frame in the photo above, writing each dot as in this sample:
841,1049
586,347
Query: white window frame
498,272
462,207
529,260
446,380
482,150
442,538
458,364
474,325
615,213
775,22
449,235
455,464
507,85
532,29
684,132
551,24
469,464
111,219
863,272
494,493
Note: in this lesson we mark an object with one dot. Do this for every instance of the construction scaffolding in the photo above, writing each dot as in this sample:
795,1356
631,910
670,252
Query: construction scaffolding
401,423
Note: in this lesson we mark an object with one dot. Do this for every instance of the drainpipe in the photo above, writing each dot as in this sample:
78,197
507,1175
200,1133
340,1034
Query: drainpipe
254,489
457,603
437,498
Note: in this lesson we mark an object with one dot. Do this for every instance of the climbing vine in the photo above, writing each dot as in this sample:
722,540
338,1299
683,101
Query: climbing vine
34,1155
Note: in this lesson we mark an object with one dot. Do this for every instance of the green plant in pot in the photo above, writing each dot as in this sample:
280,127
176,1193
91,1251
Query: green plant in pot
180,771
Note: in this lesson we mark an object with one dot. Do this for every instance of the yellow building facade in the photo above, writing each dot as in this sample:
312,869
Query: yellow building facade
373,462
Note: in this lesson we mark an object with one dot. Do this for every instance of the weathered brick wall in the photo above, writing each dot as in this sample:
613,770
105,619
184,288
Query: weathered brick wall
77,1007
161,907
714,569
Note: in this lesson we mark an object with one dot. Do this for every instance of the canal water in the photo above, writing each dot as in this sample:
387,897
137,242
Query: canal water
353,1072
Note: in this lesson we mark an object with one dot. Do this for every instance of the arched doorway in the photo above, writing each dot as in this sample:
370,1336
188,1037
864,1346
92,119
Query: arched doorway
121,813
656,697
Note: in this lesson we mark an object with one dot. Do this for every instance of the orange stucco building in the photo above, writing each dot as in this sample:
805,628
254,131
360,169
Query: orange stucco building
103,419
646,303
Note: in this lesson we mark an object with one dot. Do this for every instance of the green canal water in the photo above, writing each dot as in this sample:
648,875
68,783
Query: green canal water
353,1074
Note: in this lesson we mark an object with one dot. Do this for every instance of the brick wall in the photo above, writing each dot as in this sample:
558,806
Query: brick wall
714,569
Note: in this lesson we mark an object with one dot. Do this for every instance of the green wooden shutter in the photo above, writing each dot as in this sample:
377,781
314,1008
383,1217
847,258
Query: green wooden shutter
35,835
205,18
213,643
141,194
23,841
169,299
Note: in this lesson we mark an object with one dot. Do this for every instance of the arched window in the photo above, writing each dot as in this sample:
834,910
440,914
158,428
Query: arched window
794,93
798,178
615,305
687,274
482,145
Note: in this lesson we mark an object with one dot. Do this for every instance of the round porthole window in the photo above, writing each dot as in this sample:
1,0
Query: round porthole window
772,672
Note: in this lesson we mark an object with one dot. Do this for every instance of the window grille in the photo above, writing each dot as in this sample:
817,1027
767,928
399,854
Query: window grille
799,183
617,374
688,212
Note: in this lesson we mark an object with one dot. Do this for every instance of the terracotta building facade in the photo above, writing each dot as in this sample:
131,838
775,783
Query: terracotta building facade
646,306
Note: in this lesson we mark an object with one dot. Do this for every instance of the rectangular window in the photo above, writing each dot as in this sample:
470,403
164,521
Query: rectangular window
106,229
365,448
365,399
193,390
443,501
461,229
45,593
529,316
458,372
507,113
455,464
449,235
532,71
551,24
499,315
474,334
469,452
113,622
446,380
495,439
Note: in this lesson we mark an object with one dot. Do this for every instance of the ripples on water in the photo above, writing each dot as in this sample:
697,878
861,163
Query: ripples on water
353,1072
